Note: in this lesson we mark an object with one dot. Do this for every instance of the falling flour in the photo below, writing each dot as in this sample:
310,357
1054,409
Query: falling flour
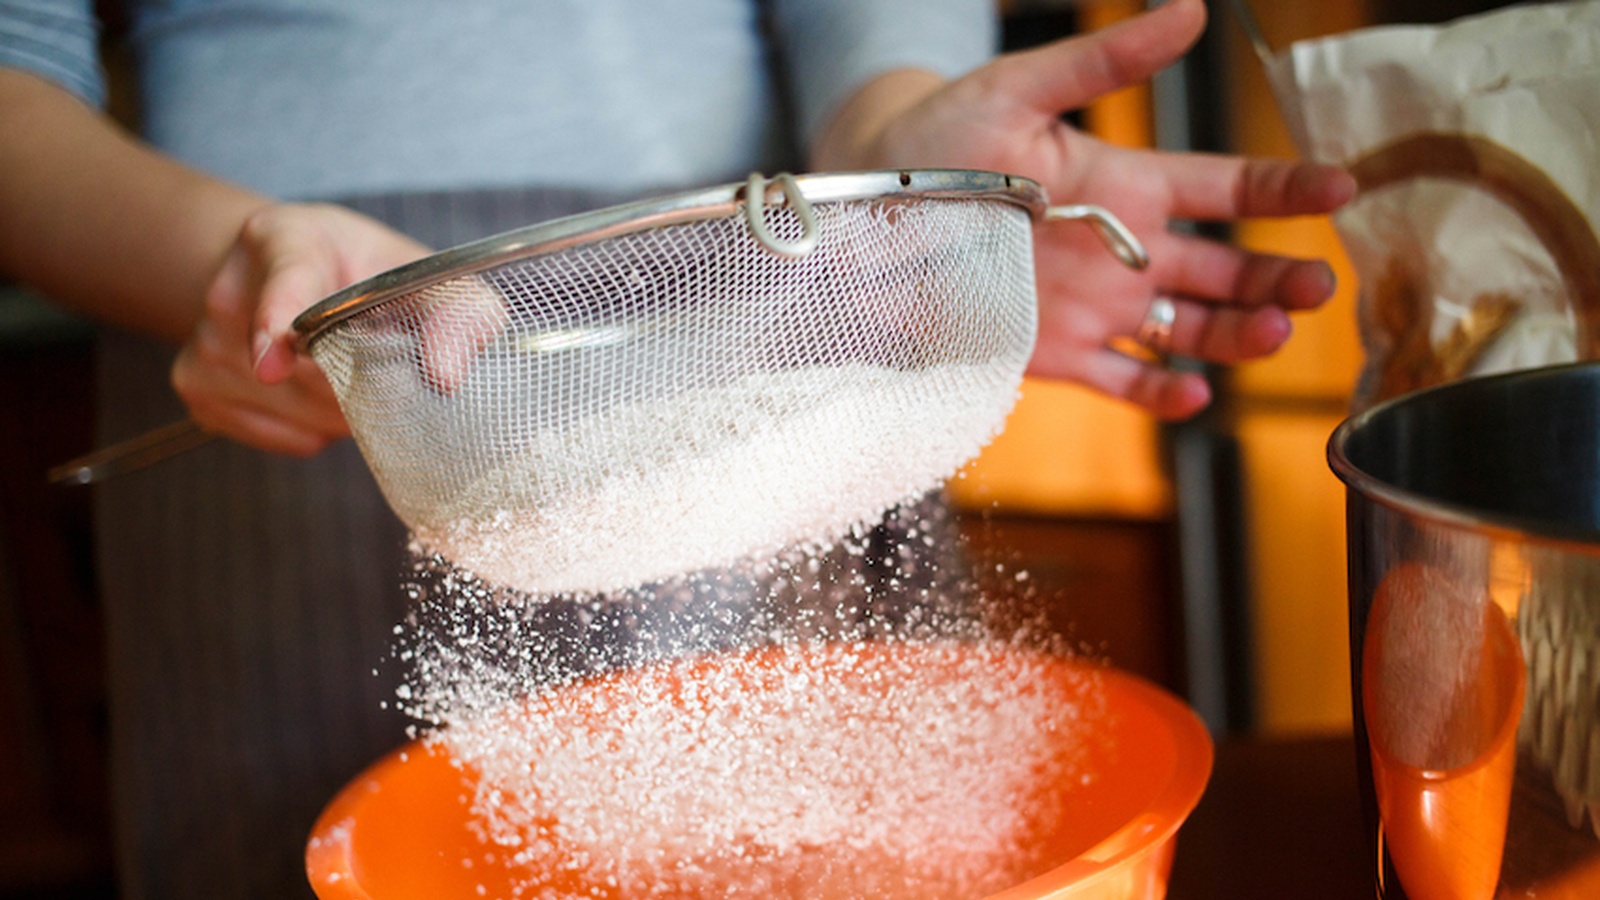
875,769
699,648
851,722
650,490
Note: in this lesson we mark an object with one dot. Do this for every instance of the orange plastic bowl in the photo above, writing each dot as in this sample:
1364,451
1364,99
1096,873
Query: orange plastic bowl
405,828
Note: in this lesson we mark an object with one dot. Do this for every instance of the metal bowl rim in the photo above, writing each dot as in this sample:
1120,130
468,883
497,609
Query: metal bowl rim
1454,515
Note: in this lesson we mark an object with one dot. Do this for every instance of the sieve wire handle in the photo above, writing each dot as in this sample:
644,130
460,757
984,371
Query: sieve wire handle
1116,235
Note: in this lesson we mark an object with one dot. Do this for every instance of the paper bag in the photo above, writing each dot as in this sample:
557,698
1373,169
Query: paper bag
1476,145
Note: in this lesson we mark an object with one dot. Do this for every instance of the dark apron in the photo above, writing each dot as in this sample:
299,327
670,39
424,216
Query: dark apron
253,602
249,599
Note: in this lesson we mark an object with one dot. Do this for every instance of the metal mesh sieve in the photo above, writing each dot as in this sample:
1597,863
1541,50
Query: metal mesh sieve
627,395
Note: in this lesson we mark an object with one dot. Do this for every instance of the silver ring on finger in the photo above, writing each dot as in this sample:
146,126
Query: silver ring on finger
1155,331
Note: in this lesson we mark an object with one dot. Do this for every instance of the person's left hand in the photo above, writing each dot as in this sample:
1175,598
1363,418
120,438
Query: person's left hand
1231,304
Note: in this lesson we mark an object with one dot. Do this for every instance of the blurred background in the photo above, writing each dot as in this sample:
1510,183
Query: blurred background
1207,555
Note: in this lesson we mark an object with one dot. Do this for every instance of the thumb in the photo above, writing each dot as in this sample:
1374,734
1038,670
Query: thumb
299,270
285,294
1070,73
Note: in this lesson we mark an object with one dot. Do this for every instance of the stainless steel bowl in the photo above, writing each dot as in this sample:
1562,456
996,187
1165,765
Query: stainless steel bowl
1473,515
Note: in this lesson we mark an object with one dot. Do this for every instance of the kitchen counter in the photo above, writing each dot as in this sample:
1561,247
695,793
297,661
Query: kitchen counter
1279,819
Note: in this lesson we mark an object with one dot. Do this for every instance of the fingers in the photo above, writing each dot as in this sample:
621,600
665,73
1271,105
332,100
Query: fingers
215,373
1199,330
214,377
1165,393
265,431
1069,74
215,382
454,335
295,267
1227,306
1209,187
1227,334
1200,268
1230,305
241,374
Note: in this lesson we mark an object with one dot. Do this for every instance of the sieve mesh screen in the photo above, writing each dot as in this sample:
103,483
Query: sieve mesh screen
668,399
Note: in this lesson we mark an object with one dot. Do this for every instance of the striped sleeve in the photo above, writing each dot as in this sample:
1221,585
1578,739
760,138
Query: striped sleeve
831,48
57,40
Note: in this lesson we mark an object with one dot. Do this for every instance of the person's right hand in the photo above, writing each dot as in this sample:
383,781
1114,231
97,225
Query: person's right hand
239,373
1231,304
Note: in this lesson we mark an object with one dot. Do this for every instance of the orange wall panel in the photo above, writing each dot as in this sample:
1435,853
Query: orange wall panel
1069,451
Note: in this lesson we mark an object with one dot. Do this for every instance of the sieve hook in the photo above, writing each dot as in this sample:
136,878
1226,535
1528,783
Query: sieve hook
1116,235
755,212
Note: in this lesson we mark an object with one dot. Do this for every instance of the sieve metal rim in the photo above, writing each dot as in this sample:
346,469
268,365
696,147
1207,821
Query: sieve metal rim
676,209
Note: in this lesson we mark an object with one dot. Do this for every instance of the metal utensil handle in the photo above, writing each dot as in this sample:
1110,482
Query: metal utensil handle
132,454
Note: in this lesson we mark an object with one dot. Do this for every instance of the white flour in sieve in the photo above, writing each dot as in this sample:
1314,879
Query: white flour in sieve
878,769
647,491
